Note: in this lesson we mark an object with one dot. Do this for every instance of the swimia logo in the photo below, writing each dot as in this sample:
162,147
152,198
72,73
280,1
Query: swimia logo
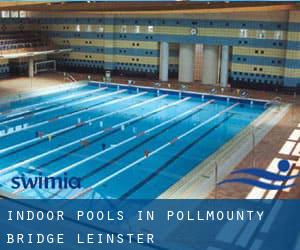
267,180
44,182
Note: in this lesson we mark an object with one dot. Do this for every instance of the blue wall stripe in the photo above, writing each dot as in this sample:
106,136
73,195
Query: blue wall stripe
249,42
259,60
266,25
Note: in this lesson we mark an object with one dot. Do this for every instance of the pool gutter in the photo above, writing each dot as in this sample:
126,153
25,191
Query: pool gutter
174,91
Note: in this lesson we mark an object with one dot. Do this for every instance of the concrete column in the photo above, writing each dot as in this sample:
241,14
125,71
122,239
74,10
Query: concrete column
164,62
31,67
186,63
210,67
224,66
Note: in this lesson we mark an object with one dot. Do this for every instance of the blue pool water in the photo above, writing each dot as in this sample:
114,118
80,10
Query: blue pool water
122,142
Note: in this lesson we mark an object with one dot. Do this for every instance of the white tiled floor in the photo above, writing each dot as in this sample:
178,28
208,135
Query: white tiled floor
295,136
290,148
287,148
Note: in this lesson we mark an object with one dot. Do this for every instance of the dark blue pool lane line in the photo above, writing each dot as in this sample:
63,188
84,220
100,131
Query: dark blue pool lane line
46,138
100,168
170,161
90,143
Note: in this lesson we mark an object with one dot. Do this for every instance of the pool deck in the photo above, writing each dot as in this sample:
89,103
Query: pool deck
281,142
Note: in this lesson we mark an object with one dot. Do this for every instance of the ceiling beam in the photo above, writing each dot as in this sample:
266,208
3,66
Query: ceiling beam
18,5
150,8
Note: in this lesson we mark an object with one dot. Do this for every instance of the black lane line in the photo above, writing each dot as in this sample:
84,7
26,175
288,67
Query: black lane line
100,168
90,143
170,161
129,150
32,112
45,138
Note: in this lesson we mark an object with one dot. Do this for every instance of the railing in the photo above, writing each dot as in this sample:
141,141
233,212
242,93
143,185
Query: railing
156,85
69,77
44,66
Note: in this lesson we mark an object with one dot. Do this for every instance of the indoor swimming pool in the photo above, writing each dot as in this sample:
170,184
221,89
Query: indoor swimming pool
121,141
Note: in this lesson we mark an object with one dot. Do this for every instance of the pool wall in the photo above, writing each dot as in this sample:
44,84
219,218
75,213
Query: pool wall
184,93
201,180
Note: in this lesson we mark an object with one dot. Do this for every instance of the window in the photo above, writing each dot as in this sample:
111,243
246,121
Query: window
5,14
89,28
150,29
137,29
243,33
123,29
261,34
22,14
14,14
100,29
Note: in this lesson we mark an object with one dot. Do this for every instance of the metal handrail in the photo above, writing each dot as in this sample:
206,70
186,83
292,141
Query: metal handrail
156,85
183,87
70,77
275,101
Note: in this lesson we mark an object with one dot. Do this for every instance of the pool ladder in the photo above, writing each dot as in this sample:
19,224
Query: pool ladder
69,77
157,85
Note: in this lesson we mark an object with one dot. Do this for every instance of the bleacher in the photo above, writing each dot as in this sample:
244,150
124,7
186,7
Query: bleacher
19,42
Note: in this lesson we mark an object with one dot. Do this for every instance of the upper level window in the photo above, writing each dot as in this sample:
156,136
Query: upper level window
100,29
137,29
123,29
22,14
261,34
5,14
243,33
150,29
89,28
14,14
278,35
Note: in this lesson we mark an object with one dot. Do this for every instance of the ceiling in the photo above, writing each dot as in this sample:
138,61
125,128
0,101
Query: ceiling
140,7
